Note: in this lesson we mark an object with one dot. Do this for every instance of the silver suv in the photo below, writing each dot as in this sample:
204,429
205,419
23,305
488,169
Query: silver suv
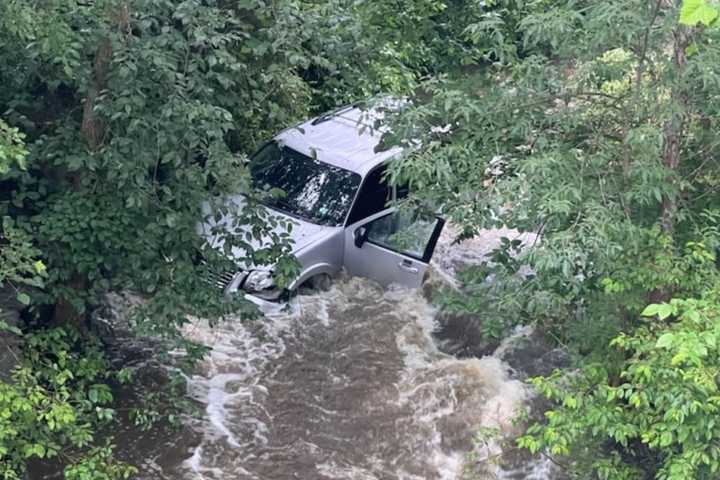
341,206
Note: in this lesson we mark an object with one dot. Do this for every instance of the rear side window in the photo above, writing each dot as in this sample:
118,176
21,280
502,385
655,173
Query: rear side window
373,198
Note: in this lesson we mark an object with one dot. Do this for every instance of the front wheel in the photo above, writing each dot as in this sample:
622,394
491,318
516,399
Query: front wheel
318,283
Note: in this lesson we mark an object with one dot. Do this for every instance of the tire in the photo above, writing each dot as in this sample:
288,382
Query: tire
319,283
322,282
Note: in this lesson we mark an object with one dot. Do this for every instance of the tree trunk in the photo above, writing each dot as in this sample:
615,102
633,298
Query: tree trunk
93,131
673,131
674,127
93,127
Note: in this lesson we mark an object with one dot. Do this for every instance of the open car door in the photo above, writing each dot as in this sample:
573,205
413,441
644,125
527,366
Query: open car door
392,246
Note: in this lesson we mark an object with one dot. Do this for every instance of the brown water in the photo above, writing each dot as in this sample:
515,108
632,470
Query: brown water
344,384
347,384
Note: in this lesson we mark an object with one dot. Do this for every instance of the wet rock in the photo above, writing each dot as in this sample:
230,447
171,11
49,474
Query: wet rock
460,335
530,354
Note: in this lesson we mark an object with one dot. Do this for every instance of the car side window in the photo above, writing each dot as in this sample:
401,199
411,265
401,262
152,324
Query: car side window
373,198
404,231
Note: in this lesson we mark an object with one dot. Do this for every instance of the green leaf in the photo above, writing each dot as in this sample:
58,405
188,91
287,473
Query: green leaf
665,311
23,298
666,439
4,326
696,12
651,310
665,340
40,267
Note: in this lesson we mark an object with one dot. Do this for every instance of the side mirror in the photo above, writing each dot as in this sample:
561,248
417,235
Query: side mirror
361,235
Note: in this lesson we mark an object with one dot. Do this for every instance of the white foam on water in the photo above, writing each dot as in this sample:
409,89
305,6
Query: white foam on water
217,398
520,331
450,256
195,463
439,401
447,397
449,465
537,469
331,469
227,377
447,393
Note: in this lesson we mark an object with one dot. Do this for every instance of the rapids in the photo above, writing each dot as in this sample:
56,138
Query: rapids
351,384
346,384
357,383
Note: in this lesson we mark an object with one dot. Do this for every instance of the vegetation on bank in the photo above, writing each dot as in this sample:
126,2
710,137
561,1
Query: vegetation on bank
593,123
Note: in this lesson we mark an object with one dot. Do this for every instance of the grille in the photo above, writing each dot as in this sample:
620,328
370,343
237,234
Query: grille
220,280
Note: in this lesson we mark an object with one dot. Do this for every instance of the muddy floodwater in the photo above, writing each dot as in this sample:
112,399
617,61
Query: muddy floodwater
350,384
347,384
353,383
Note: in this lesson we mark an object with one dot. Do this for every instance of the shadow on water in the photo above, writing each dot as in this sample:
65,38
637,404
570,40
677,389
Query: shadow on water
153,450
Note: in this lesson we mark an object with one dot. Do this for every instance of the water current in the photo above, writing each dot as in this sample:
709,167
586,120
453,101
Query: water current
351,384
355,383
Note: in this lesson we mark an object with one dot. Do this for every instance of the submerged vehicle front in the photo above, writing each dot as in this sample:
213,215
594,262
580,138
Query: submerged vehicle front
303,195
326,179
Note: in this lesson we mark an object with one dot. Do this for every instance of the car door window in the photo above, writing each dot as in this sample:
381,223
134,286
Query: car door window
373,198
405,231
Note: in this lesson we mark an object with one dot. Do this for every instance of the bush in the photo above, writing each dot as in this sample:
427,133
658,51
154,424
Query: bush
58,397
651,414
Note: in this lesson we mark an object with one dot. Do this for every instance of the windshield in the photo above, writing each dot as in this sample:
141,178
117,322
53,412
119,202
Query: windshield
314,191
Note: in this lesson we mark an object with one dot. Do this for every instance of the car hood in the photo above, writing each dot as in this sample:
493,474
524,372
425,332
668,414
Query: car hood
302,234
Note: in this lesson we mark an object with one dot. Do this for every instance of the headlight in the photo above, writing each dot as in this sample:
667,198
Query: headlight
259,280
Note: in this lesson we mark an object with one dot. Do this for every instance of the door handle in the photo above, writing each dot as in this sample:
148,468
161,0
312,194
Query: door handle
407,266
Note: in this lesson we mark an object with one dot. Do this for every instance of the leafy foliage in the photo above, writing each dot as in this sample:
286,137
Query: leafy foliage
491,292
569,141
12,148
18,262
696,12
590,123
659,405
592,127
58,397
137,118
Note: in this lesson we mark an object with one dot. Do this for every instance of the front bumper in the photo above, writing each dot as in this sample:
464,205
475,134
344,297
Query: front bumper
235,286
266,306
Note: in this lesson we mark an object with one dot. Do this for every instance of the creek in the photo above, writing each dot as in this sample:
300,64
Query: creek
356,383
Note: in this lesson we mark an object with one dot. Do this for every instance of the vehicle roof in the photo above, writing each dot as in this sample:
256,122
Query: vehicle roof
346,138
